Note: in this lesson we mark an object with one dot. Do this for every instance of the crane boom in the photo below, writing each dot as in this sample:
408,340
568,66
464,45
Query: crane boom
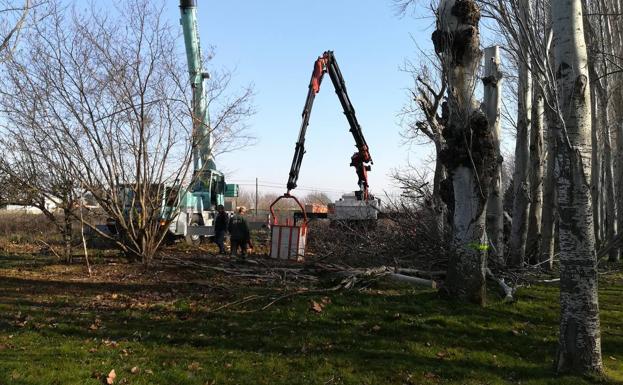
202,140
360,159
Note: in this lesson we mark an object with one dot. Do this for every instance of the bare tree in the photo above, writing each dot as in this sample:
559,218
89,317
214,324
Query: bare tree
565,87
469,157
521,204
422,119
579,348
12,18
468,152
535,175
317,197
602,67
107,94
492,104
18,166
33,183
549,214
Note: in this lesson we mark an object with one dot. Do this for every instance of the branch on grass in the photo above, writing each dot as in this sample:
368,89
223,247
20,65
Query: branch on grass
507,290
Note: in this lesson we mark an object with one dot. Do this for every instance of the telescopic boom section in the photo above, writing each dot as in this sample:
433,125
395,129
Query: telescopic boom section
202,141
361,158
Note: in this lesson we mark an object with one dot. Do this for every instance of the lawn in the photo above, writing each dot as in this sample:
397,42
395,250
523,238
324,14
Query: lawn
175,326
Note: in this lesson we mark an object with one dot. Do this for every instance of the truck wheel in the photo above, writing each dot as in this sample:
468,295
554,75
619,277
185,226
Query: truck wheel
194,240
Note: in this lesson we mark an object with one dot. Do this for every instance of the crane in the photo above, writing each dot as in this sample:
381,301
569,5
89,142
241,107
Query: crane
288,240
189,211
202,156
208,190
361,159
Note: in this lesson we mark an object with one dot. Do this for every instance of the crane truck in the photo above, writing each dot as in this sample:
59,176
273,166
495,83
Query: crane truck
189,211
197,207
288,240
361,204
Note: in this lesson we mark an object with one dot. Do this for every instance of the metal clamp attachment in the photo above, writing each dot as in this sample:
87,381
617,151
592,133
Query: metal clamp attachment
287,196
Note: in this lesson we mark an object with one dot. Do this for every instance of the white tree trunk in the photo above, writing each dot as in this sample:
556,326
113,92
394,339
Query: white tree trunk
469,155
549,216
614,36
618,179
467,265
579,348
606,40
611,213
521,202
492,103
533,242
596,171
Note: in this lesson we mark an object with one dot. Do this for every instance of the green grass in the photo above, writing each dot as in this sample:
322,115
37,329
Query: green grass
63,332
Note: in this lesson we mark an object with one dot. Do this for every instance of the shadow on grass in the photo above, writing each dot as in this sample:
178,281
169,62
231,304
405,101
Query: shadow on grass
16,261
412,330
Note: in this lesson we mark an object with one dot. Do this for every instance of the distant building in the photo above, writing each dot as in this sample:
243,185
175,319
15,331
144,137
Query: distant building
50,205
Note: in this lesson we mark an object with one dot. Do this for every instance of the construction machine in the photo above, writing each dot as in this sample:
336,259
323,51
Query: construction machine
189,211
197,205
359,205
288,240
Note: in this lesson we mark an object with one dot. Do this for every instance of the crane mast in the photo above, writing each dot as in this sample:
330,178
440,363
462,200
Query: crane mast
202,140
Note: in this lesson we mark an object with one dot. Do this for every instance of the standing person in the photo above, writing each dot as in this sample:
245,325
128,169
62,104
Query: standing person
220,228
240,236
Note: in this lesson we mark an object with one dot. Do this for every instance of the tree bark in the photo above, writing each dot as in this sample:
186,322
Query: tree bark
67,234
469,155
619,166
550,214
439,207
596,170
533,242
613,209
579,347
521,202
492,102
614,37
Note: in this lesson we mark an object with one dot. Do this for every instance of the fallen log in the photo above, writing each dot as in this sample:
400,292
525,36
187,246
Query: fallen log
421,273
412,280
352,276
506,289
549,281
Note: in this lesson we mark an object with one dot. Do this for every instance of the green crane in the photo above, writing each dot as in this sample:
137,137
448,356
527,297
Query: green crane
198,203
202,136
189,211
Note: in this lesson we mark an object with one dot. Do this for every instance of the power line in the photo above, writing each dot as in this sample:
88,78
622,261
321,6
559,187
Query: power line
281,185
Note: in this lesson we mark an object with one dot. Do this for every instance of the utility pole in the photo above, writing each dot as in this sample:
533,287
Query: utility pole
256,194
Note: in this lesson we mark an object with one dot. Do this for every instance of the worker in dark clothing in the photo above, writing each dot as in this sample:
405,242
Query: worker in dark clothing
221,223
239,234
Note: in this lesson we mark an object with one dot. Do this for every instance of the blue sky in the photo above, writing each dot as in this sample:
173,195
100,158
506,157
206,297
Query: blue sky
273,44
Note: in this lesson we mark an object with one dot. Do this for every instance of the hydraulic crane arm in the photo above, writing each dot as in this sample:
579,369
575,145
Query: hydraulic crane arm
361,158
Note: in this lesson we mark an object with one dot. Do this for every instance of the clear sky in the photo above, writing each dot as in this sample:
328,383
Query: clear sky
273,44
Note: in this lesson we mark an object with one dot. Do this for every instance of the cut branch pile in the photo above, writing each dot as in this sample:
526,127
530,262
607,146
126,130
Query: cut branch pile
310,273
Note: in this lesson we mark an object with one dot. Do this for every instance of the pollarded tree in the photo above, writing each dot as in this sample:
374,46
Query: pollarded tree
469,156
492,103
